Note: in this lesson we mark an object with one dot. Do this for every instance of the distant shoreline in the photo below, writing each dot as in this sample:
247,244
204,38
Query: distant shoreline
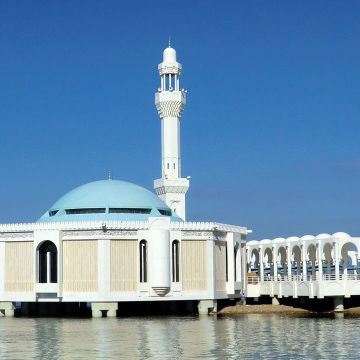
276,309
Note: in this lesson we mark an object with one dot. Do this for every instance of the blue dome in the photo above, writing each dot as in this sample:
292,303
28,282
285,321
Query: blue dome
108,200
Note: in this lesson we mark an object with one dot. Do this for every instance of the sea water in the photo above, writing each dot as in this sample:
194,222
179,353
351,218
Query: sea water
250,336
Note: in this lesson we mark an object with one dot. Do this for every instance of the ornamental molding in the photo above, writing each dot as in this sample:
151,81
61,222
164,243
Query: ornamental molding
170,108
189,235
170,103
169,69
17,235
106,226
210,226
75,225
162,190
99,233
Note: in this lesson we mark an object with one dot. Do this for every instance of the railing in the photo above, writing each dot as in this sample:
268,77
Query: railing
253,280
328,277
351,276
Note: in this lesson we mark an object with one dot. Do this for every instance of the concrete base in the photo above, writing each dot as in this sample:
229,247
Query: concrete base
338,303
206,306
275,301
7,309
109,309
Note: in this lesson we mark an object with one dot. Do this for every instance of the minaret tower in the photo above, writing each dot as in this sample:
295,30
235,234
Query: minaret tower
170,102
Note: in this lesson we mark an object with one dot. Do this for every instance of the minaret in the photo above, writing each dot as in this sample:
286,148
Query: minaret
170,102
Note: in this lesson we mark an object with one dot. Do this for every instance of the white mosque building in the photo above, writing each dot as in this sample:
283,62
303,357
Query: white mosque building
111,241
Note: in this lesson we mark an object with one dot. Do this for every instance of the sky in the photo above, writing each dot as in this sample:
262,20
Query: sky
270,133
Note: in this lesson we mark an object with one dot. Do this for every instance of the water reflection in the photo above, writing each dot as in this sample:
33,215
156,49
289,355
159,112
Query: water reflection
251,336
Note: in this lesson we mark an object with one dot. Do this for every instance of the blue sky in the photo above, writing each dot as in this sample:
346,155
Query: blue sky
270,133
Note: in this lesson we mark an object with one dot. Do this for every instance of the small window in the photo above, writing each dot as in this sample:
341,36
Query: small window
165,212
174,166
129,211
168,166
53,212
85,211
143,261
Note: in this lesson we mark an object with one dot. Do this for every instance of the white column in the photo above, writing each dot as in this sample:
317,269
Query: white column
159,257
303,255
104,256
261,264
319,256
336,254
288,255
275,264
2,269
48,267
212,268
230,242
243,262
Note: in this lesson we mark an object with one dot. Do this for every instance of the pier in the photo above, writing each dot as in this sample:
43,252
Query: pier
311,266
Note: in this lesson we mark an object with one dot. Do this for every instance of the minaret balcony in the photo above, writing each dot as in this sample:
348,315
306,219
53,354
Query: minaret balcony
174,186
170,103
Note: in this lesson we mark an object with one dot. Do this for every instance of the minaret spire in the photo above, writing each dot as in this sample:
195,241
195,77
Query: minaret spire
170,102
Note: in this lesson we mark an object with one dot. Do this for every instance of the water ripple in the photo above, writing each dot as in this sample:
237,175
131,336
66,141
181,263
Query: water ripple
250,336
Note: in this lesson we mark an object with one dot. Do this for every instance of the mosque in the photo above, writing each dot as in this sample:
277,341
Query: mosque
110,241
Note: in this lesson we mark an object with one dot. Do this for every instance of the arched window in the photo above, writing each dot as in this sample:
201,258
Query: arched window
47,262
143,261
175,261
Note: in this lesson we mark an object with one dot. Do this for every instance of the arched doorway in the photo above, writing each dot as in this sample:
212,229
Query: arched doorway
268,264
47,262
281,262
254,262
349,259
328,255
296,260
311,260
